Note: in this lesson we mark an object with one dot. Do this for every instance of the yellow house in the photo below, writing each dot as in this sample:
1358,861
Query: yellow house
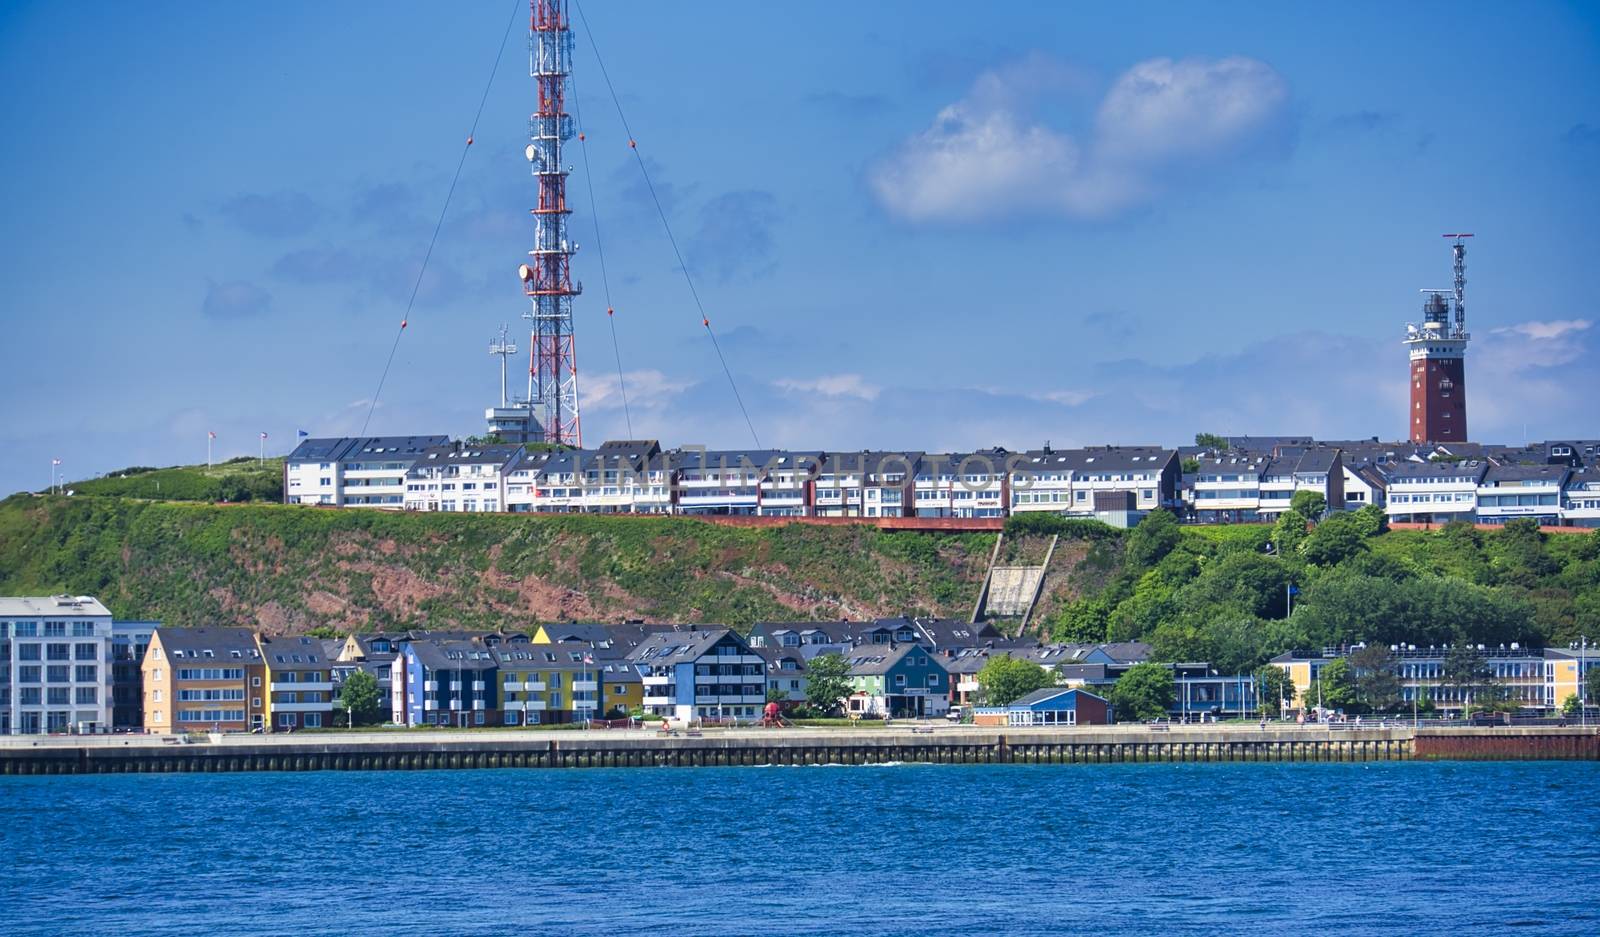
548,683
620,687
299,683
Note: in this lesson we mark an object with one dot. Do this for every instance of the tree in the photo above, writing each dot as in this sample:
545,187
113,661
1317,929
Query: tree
1467,671
1189,466
1377,681
1371,520
1145,691
1288,533
1308,504
1334,687
1571,704
777,695
1005,679
1152,539
1335,540
324,631
1211,441
1274,689
827,682
359,698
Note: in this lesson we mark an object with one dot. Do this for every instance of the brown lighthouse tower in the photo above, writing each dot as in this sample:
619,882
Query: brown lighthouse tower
1438,348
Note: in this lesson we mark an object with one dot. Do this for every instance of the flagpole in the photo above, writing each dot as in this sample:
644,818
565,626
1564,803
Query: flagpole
210,436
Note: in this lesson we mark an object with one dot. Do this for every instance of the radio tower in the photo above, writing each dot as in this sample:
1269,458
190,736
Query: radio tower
547,277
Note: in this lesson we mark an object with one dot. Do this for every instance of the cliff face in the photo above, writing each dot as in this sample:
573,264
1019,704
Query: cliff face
284,568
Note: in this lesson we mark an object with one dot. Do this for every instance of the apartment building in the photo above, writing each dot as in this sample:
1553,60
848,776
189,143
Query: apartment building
548,683
904,680
1318,469
203,679
1434,492
1580,499
1511,491
445,681
299,677
461,477
129,641
55,665
1077,482
345,472
708,672
1535,679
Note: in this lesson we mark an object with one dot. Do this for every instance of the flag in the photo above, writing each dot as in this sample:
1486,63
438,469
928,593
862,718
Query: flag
55,461
301,434
263,435
588,658
210,435
1294,590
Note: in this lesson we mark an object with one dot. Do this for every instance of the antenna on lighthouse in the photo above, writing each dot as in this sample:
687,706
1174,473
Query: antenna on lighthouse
1459,248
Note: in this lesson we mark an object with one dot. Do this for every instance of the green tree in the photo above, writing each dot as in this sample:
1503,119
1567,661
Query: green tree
1211,441
1371,520
324,631
1377,678
1189,466
1153,538
1145,691
1308,504
1289,533
827,683
1335,540
1273,688
1571,704
358,699
1467,671
1334,687
1005,679
777,695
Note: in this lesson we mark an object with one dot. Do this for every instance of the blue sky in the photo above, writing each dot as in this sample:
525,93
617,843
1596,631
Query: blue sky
910,228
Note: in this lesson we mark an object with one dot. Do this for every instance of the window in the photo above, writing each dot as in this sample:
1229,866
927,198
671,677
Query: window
84,651
55,629
83,629
87,673
313,720
58,651
87,695
27,652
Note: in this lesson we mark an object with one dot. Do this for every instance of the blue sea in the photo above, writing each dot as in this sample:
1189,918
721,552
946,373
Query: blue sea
1386,848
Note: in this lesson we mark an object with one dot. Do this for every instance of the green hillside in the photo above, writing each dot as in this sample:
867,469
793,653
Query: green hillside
240,479
1198,593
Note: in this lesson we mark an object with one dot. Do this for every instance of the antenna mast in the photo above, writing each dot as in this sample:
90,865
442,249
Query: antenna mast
1459,248
547,277
503,346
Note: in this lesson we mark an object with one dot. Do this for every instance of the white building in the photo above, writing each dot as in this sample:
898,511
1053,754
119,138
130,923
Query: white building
1434,492
55,661
705,673
1512,491
365,472
1069,481
1580,500
462,477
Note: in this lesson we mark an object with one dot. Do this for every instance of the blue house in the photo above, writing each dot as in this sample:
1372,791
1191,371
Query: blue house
1051,706
904,681
705,673
445,682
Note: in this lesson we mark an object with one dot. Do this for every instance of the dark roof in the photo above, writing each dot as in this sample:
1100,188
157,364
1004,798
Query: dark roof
386,446
866,661
871,462
321,449
1435,469
452,654
193,643
282,651
674,647
1051,692
459,453
1553,474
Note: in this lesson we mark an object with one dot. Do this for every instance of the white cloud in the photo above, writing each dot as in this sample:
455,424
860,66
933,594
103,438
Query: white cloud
1544,331
1164,109
832,385
985,157
647,390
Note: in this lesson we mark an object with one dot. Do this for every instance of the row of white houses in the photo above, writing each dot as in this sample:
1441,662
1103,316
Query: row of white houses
1118,484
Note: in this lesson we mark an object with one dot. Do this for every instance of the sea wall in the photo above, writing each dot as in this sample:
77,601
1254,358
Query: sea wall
395,751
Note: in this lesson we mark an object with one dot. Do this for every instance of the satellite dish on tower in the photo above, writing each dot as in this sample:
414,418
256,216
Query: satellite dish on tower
525,272
530,152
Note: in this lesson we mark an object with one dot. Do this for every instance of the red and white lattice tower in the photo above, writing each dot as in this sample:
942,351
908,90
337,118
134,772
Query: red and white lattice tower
547,276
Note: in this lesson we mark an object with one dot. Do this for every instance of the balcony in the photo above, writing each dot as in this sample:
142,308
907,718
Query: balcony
534,705
455,686
585,704
534,686
657,681
302,707
479,685
657,700
583,686
430,686
324,687
478,704
511,688
430,705
512,706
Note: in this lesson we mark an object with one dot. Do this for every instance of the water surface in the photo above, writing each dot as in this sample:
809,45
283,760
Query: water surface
909,849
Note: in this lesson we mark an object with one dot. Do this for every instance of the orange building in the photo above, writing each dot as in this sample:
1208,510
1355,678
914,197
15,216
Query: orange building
202,680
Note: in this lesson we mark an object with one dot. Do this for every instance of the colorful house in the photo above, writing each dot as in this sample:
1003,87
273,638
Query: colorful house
299,683
1050,706
548,683
203,679
905,680
445,682
706,673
